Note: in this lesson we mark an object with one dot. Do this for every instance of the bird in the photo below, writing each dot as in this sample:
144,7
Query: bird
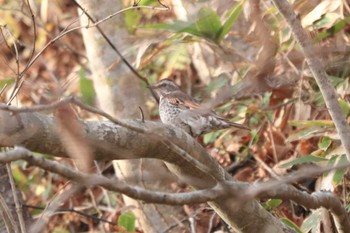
180,110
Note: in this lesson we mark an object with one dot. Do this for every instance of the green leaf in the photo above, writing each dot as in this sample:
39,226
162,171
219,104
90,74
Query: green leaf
132,19
233,15
347,207
324,143
255,119
19,176
318,99
127,220
272,203
332,30
60,230
291,224
177,58
302,134
266,99
338,174
317,123
208,23
86,88
216,84
255,137
177,26
344,107
6,81
304,159
211,137
148,2
312,221
326,20
335,80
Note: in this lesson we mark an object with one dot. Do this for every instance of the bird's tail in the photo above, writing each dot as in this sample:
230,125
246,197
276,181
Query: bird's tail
239,126
222,123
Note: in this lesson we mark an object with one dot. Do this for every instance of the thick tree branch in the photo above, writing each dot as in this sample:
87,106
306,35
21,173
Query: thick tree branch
73,100
38,133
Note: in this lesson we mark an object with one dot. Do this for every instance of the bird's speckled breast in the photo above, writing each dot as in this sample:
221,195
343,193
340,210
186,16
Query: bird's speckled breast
173,115
168,112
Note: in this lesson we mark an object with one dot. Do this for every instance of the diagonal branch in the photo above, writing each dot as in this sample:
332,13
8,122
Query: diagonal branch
115,49
328,92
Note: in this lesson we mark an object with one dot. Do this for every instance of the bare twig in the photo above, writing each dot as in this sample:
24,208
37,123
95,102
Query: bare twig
7,217
61,198
137,74
15,53
211,222
3,89
313,201
273,145
266,167
136,3
73,211
163,5
18,84
141,114
18,205
34,30
67,31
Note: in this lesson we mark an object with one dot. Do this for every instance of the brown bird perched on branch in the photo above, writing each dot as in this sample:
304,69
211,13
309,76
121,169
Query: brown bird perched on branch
178,109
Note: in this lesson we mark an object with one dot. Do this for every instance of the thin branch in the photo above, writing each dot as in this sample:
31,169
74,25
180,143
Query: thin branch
34,30
321,77
73,211
7,217
54,205
3,89
313,201
19,76
15,54
242,191
132,191
137,74
254,191
141,114
66,31
18,205
67,100
163,5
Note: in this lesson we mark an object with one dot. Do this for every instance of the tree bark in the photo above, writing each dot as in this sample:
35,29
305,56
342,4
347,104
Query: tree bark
110,141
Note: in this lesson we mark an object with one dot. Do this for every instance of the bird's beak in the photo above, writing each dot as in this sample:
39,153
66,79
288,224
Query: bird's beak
152,87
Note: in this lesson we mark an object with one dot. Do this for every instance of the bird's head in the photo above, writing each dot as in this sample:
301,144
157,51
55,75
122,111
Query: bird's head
164,87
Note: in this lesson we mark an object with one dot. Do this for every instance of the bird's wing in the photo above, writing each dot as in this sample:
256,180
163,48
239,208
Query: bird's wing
183,100
196,113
